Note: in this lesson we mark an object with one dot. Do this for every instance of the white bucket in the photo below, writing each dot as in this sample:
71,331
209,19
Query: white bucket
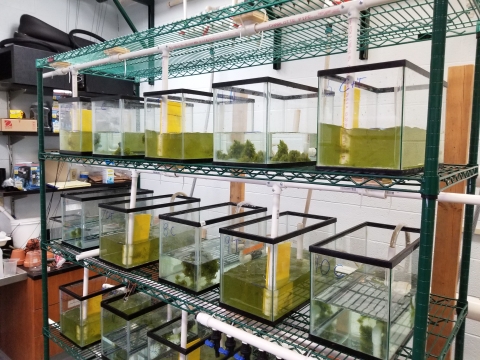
24,230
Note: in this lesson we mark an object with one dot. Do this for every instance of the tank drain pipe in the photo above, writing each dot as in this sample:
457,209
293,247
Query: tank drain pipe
250,339
133,202
87,254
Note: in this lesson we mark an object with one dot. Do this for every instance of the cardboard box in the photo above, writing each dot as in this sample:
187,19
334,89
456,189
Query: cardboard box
19,125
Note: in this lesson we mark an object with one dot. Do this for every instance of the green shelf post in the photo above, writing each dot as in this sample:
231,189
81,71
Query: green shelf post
469,209
43,215
430,186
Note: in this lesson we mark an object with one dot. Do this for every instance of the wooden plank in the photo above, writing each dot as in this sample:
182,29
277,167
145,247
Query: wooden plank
237,192
448,235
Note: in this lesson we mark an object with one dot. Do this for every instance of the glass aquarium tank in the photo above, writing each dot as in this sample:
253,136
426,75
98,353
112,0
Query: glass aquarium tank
165,342
118,126
373,118
264,122
364,283
267,278
126,320
75,126
80,227
182,130
190,243
129,236
80,308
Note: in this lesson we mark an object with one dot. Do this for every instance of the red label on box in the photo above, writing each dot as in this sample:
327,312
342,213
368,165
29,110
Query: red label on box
8,124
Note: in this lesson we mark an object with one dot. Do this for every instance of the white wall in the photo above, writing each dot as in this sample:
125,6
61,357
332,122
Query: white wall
349,209
65,15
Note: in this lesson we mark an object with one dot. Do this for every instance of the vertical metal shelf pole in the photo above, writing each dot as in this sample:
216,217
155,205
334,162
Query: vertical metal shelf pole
430,186
43,215
469,209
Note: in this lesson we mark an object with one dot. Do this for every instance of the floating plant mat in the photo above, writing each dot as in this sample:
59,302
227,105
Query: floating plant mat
76,141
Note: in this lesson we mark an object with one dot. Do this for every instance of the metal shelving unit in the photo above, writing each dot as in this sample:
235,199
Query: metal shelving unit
292,332
395,23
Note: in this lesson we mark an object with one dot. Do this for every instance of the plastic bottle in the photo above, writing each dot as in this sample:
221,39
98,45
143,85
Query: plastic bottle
1,264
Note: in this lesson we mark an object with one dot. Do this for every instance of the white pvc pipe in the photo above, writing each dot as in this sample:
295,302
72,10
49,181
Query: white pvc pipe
87,254
5,212
250,339
133,202
272,258
85,293
248,30
183,333
380,194
185,9
74,83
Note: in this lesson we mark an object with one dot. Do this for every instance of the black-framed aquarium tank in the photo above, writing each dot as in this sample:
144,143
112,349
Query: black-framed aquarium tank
164,342
126,320
373,118
118,126
80,215
364,283
75,126
179,125
80,308
264,122
190,243
267,278
129,236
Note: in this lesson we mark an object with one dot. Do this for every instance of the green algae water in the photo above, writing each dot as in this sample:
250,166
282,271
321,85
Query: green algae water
243,287
390,148
179,146
75,141
81,332
114,250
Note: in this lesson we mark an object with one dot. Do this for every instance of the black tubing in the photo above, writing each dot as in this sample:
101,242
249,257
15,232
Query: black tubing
38,43
41,30
74,40
58,47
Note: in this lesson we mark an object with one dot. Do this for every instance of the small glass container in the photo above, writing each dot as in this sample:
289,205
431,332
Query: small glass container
80,311
185,132
268,278
190,243
164,342
75,126
118,126
80,214
264,122
129,236
373,118
126,320
364,283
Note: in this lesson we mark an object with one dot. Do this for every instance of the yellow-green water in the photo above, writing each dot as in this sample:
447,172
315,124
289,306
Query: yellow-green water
243,287
181,146
118,144
78,141
114,250
81,332
387,148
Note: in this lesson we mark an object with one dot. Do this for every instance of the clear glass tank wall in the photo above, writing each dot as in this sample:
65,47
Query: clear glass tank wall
374,118
363,290
265,122
179,125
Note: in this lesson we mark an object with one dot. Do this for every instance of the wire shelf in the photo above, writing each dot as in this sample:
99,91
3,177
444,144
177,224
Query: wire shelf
292,332
448,174
397,23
